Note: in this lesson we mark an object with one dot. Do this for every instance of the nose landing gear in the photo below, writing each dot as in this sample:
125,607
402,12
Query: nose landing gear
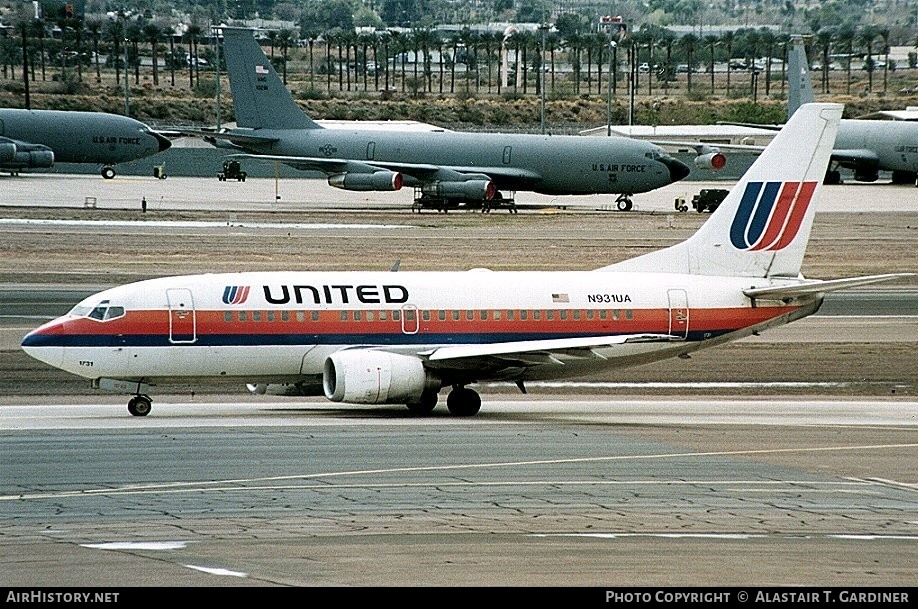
140,405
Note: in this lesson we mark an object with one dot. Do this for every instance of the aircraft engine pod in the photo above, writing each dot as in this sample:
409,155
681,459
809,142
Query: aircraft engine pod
38,157
711,160
475,190
7,152
361,376
376,181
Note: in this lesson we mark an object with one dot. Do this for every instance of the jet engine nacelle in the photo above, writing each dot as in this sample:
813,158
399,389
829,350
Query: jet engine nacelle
711,160
361,376
14,156
378,180
475,190
7,152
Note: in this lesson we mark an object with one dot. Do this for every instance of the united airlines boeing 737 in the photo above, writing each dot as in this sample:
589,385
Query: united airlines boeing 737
377,338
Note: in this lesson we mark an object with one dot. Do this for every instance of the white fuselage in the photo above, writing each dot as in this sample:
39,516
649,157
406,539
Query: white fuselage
281,327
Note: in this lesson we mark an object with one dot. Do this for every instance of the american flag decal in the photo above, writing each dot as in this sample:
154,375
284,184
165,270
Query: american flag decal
261,70
560,298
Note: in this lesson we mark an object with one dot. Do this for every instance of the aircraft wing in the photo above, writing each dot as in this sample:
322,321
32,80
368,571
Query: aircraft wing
524,354
704,148
753,125
233,137
423,172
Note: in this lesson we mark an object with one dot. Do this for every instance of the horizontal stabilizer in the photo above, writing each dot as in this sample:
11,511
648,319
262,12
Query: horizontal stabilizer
809,288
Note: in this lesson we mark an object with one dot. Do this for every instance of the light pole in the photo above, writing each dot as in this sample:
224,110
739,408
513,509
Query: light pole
216,31
544,28
123,15
612,47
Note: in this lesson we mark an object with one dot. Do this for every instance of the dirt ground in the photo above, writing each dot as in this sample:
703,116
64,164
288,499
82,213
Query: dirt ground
842,244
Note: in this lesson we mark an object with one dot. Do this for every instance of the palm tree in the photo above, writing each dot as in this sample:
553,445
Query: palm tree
134,35
311,36
727,39
94,27
525,41
823,41
39,29
883,32
152,33
115,31
688,43
286,38
711,41
192,35
866,37
574,42
171,33
845,37
767,40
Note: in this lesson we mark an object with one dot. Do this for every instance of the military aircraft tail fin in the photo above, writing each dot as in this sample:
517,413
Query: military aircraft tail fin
260,98
762,227
799,83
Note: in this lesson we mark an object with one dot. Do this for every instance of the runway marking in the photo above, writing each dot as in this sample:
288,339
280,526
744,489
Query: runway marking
138,545
211,486
190,224
218,571
731,536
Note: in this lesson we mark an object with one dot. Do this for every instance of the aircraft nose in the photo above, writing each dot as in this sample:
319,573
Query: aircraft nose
163,141
677,169
38,345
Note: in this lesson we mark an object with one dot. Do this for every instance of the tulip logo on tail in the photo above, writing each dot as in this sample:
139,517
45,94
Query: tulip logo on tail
235,294
770,214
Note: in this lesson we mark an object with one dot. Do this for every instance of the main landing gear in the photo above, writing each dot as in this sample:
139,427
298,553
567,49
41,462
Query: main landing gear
623,202
107,172
462,402
140,405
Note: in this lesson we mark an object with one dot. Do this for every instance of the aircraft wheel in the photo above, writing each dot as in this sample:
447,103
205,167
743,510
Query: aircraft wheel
140,405
108,172
833,177
463,402
624,204
425,405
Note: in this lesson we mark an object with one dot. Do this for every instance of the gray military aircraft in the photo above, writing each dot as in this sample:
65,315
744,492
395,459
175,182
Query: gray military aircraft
36,139
445,167
864,146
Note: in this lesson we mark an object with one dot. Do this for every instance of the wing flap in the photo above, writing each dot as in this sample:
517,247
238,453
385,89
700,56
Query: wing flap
536,352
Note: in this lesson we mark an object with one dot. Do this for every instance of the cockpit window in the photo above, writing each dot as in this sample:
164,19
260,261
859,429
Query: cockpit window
103,311
114,312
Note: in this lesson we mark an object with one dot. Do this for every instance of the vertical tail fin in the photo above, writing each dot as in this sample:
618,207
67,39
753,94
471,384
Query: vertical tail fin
762,227
260,99
799,83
